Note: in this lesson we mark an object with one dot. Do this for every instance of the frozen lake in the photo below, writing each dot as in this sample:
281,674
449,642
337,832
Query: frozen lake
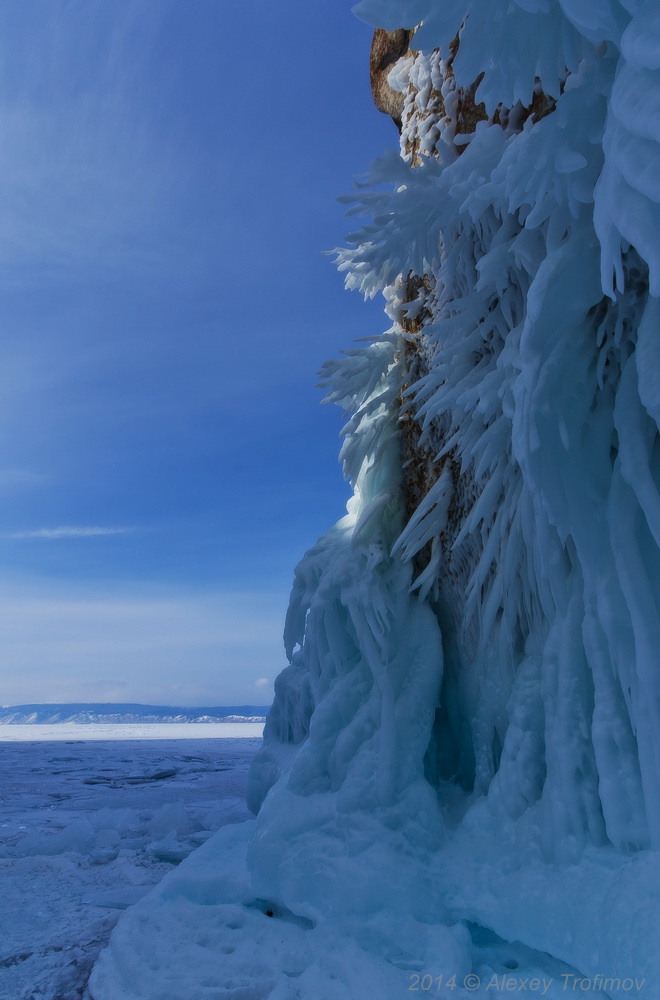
91,817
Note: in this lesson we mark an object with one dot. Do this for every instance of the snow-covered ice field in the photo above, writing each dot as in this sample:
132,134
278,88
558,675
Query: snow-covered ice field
134,731
89,821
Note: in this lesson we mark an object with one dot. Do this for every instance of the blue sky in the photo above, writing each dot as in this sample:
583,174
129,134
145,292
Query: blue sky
168,174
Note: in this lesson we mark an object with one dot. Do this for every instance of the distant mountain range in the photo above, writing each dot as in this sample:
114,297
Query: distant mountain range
129,713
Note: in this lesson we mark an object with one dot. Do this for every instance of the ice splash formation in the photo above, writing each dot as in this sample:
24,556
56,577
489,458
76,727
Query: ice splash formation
460,771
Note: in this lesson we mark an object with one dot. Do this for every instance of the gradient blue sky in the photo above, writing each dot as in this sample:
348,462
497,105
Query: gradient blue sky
168,176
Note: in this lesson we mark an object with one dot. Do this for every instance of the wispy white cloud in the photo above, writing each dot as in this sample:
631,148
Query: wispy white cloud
68,531
86,176
262,682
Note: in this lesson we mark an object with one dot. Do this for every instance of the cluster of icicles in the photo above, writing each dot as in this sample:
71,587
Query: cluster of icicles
536,684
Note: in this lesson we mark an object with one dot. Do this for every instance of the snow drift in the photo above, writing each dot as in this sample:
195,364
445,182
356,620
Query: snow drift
459,774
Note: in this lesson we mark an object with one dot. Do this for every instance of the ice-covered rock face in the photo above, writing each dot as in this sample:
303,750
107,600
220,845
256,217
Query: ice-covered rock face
502,440
502,437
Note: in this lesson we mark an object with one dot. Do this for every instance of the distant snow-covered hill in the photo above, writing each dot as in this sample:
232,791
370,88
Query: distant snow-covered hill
127,713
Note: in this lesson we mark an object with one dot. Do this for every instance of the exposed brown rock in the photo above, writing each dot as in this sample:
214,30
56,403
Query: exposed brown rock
421,470
421,466
387,48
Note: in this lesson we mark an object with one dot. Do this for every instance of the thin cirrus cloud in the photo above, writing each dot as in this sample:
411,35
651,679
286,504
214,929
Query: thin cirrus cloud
82,169
69,531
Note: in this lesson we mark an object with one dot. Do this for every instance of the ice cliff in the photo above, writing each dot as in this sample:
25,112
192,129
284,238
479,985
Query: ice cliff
460,770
